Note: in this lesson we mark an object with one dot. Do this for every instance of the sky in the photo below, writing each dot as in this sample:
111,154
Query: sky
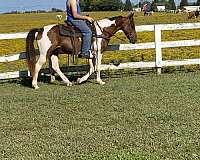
28,5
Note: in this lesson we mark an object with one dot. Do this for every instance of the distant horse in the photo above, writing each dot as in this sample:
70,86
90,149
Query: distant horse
178,11
51,43
59,16
148,13
193,14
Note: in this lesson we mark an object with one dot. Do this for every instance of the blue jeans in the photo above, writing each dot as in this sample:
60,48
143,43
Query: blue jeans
87,35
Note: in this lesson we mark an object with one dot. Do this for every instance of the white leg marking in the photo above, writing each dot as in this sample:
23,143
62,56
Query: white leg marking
103,23
38,66
55,66
98,62
99,80
44,44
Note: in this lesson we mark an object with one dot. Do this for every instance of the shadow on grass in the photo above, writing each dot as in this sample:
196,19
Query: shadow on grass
45,77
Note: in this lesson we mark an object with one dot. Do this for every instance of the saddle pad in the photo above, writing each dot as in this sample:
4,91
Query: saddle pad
69,31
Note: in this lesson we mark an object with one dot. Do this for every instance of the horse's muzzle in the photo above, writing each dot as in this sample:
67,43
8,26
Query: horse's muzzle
133,41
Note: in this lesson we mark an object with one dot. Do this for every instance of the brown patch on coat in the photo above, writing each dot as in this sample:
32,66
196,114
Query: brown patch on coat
193,14
61,44
39,35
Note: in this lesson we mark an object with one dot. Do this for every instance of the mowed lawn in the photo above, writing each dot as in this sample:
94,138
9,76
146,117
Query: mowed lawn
131,117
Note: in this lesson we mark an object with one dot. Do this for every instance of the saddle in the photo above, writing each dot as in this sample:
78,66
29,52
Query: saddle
70,30
73,32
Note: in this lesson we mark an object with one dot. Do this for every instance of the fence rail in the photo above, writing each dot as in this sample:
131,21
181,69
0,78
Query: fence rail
157,45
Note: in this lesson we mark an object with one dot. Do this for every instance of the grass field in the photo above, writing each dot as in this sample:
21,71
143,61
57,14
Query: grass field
143,117
132,117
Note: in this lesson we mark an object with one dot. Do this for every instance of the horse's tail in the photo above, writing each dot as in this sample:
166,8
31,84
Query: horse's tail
30,50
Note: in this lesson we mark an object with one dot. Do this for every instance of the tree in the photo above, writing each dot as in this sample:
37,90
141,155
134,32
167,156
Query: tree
128,6
198,2
140,5
171,5
183,3
153,6
106,5
56,10
82,4
85,5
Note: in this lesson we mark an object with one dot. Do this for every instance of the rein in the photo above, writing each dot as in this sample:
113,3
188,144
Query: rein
103,36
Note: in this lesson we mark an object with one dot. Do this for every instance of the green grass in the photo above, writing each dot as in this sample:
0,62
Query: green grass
132,117
24,22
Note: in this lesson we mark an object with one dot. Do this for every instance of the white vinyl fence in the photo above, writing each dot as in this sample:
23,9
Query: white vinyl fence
158,45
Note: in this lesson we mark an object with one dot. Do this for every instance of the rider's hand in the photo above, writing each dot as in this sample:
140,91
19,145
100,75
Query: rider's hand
90,19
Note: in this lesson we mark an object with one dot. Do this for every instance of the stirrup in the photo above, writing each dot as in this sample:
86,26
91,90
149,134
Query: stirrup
89,55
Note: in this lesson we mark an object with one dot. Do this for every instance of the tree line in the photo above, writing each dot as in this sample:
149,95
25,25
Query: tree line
105,5
187,3
114,5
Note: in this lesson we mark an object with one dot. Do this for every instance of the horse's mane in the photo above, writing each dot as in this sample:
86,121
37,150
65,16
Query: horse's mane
113,18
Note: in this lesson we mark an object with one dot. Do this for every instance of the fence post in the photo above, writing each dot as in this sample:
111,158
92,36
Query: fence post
158,48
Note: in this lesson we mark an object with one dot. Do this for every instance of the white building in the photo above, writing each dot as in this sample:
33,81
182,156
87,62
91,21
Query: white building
161,8
137,9
192,8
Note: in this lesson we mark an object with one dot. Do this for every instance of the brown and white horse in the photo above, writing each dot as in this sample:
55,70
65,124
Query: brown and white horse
193,14
50,43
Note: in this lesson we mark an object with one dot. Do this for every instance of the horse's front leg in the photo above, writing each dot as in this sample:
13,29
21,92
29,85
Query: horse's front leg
56,68
85,77
98,68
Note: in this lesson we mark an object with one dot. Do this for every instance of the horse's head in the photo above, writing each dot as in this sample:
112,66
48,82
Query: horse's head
126,24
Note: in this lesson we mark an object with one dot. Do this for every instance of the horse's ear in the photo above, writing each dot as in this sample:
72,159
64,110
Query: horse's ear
130,16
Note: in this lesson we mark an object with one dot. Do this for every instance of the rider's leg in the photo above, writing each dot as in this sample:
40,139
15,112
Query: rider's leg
87,37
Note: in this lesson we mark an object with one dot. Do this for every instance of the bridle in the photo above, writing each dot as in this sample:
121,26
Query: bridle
103,36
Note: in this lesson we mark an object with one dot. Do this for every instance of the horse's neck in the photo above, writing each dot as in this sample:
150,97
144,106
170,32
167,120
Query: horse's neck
107,27
110,31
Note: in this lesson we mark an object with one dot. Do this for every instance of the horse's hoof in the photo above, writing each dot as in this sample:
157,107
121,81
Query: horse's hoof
53,78
36,87
78,80
69,84
101,82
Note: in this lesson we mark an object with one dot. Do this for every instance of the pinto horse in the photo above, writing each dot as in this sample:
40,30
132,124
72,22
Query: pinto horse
193,14
50,43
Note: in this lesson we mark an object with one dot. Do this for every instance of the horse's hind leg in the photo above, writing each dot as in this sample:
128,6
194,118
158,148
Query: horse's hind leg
52,72
56,68
38,66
